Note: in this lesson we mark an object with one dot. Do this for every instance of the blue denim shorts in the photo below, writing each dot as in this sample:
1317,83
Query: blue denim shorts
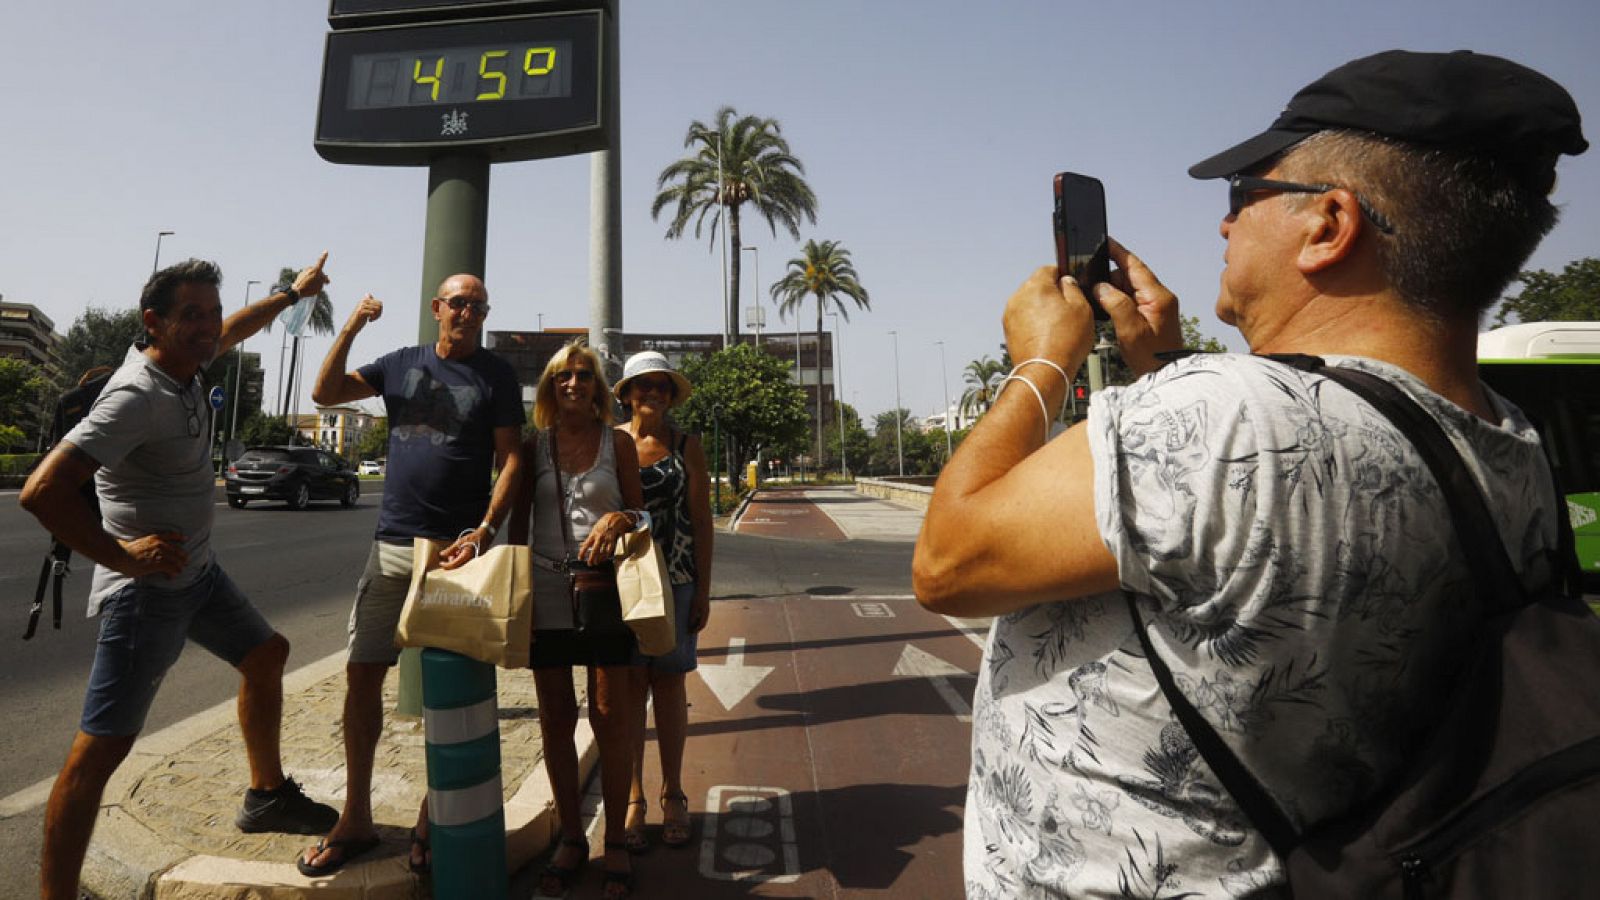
683,657
143,629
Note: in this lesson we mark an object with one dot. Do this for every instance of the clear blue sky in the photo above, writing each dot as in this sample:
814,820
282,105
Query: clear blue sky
929,130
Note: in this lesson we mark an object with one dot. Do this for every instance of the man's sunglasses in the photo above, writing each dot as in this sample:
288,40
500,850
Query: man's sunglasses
460,303
1241,187
567,375
191,405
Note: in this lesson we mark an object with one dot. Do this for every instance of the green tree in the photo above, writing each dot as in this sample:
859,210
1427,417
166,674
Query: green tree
857,443
743,394
12,439
1571,296
266,431
1194,340
887,448
98,337
733,161
23,390
822,271
241,392
320,322
982,378
375,443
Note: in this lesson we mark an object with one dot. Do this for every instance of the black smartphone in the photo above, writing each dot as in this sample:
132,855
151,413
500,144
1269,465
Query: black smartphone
1082,250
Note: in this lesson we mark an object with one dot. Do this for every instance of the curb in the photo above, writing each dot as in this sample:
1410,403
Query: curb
127,859
738,512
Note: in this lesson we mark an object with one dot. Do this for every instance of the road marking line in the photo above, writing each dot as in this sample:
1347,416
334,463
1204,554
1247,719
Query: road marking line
733,680
754,859
873,610
918,663
970,628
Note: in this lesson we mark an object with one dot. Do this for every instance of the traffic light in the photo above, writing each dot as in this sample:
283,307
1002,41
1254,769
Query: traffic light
1080,399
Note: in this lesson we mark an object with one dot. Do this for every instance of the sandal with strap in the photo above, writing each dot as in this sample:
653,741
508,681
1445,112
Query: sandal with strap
618,885
676,832
634,838
420,842
563,877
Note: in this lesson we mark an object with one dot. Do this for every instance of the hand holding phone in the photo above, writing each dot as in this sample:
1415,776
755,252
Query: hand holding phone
1082,248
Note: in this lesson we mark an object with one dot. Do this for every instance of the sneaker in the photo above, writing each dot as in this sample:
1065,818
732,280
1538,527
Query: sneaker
285,809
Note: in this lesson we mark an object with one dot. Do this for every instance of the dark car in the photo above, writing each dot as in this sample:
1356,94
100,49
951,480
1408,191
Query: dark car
295,475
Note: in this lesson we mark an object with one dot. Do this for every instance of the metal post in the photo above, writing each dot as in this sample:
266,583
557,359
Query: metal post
949,449
156,266
716,451
757,279
238,385
464,810
899,450
838,388
722,220
605,213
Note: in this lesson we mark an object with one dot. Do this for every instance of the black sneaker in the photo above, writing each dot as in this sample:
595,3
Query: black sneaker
285,809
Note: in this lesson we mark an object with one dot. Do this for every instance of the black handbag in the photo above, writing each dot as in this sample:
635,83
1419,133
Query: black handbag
592,590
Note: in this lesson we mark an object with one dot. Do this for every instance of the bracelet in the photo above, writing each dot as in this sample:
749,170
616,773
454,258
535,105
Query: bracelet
1043,410
473,544
488,526
1066,383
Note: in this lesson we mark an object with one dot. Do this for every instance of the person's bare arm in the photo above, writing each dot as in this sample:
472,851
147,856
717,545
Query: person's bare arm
508,460
601,542
694,458
334,385
255,316
517,532
54,495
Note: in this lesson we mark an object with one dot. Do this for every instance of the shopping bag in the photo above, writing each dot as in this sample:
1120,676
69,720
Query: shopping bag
482,610
646,593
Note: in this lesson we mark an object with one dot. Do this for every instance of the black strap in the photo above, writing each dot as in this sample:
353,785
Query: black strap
1474,526
55,563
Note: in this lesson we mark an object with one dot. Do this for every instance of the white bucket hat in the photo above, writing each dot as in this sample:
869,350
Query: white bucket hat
649,361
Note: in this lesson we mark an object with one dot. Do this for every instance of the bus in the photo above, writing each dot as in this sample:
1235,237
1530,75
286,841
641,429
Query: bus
1552,371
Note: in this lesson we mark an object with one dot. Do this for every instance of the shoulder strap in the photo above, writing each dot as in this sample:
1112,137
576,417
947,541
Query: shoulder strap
561,492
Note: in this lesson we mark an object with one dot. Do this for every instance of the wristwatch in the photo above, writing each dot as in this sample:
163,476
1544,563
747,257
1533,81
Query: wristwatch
287,288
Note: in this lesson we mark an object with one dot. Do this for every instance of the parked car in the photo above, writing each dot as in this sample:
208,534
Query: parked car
371,467
295,475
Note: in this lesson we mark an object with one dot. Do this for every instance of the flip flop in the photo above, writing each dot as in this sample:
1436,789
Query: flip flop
426,866
346,850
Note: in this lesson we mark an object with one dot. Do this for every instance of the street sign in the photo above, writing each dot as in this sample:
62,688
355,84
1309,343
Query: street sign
508,89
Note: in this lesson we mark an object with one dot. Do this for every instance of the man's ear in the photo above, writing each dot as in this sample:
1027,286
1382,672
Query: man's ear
152,323
435,304
1332,223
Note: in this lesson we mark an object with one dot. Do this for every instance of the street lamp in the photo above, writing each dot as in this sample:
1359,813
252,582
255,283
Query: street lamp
944,380
156,266
899,451
838,388
716,452
238,382
757,280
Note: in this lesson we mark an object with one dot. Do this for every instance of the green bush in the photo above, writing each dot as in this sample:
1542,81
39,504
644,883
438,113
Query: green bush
17,464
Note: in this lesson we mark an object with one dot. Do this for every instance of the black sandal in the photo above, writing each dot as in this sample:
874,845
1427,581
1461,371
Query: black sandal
564,875
618,885
419,842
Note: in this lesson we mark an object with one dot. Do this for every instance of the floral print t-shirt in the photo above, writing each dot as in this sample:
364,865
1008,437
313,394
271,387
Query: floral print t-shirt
1295,564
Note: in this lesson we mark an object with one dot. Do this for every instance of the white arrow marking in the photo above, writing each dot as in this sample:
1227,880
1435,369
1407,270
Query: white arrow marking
915,663
733,680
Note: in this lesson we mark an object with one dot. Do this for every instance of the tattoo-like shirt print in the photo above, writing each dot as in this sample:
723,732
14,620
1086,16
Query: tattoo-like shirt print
1295,565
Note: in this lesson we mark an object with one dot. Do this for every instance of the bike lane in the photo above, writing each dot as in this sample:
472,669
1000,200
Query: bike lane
827,754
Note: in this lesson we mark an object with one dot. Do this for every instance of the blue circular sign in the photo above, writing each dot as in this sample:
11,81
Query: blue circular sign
216,397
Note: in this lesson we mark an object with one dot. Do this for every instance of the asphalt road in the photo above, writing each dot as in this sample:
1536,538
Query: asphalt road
300,569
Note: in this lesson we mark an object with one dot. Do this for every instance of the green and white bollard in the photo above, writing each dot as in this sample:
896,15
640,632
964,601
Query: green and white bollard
466,809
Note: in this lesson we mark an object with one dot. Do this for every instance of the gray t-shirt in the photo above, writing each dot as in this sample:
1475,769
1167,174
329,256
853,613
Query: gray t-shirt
586,496
152,438
1296,567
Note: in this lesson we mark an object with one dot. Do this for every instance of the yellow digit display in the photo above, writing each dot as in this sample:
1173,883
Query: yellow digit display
432,80
549,54
483,72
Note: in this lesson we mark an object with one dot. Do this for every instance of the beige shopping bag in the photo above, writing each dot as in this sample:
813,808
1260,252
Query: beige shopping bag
646,593
482,610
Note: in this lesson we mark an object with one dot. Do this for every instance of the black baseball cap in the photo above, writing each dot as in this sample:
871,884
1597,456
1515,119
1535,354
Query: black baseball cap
1458,100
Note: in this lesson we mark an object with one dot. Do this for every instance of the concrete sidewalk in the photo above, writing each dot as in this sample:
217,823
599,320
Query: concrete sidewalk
858,516
166,828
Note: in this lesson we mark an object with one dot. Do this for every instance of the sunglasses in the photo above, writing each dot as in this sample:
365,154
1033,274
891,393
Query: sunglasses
191,405
1242,187
458,304
658,385
566,375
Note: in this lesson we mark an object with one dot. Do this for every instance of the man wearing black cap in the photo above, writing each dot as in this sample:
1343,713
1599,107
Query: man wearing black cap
1292,559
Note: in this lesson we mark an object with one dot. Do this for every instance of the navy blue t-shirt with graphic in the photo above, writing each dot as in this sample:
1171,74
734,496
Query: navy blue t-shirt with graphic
442,417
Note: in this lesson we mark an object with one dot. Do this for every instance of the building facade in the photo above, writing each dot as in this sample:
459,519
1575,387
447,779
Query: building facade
27,334
337,429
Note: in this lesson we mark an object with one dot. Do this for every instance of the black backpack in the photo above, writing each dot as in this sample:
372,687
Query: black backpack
71,407
1499,801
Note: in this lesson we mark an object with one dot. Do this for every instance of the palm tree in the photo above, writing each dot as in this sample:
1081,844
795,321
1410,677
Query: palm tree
321,322
823,271
733,161
983,377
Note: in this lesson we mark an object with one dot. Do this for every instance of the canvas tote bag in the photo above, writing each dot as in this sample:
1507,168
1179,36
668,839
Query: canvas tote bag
482,610
646,593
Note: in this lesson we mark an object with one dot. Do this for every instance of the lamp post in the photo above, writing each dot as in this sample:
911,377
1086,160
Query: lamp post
722,219
838,388
238,382
757,280
899,450
156,266
944,379
716,452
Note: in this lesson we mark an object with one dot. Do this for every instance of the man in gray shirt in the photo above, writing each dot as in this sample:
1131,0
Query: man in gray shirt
146,442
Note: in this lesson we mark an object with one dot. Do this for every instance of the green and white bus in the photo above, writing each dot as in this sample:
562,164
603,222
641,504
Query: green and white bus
1552,371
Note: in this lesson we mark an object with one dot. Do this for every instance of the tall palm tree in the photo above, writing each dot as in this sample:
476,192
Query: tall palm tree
983,377
823,271
321,322
733,161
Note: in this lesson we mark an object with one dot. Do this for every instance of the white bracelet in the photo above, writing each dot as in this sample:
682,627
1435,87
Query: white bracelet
1043,410
1066,383
488,526
473,544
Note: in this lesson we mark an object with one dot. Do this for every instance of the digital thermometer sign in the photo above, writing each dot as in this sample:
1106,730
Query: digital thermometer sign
514,88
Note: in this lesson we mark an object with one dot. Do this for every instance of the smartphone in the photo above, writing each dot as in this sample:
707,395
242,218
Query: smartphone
1082,250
